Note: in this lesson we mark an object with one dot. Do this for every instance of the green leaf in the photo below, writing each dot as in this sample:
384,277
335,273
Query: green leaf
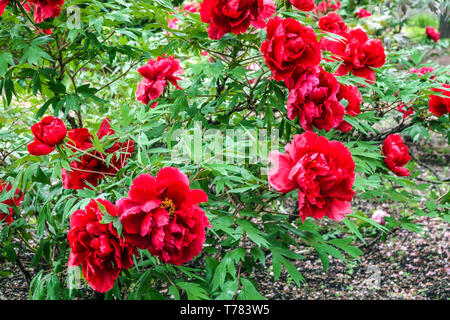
228,291
344,244
249,292
193,290
354,229
253,233
6,59
107,219
34,54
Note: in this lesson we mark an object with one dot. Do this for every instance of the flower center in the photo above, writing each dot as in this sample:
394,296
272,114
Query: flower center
169,206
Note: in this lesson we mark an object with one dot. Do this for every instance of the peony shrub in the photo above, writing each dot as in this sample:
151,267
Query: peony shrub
171,150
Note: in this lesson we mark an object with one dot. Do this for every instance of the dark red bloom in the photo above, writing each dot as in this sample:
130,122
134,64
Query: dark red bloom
157,75
312,97
91,166
440,105
3,4
162,215
7,217
121,150
363,13
354,99
323,172
289,46
359,54
396,155
235,16
333,23
48,133
432,33
303,5
97,246
44,9
407,112
327,6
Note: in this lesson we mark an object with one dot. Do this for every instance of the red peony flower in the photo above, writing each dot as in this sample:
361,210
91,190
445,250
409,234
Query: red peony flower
162,215
353,97
235,16
422,71
44,9
407,112
48,133
312,97
7,217
362,13
353,108
157,74
432,33
358,53
289,46
121,150
333,23
91,165
323,172
396,155
97,246
327,6
3,4
303,5
440,105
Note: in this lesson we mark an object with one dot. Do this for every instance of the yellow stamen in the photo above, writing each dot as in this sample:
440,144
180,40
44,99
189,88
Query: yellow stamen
169,206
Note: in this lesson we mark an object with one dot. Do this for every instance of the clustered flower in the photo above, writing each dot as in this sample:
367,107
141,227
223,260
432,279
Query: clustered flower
440,105
97,246
15,201
92,165
44,9
303,5
3,4
41,9
293,54
407,112
48,133
225,16
160,214
432,33
396,155
322,171
362,13
157,75
358,53
422,71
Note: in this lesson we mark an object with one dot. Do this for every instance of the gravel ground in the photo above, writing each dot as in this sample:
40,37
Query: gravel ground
405,266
